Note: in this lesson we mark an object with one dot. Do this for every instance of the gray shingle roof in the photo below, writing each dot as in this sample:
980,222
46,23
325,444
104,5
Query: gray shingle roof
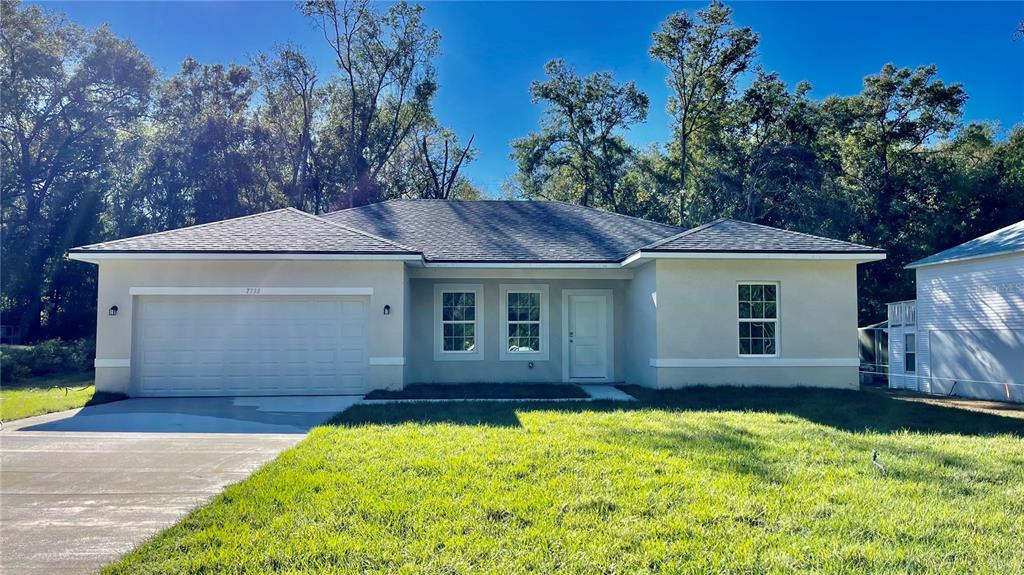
505,231
734,236
1002,241
471,231
279,231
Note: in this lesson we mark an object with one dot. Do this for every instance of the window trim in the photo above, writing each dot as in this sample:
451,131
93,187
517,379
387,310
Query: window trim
478,296
777,321
545,345
912,335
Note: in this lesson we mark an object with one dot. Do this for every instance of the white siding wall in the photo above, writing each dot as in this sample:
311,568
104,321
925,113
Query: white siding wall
969,303
902,321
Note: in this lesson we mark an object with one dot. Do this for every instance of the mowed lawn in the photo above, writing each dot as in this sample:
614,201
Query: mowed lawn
41,395
693,481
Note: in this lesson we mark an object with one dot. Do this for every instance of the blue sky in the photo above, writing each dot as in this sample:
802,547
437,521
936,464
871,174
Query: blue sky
492,50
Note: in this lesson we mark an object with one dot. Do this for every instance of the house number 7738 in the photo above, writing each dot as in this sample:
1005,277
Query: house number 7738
252,291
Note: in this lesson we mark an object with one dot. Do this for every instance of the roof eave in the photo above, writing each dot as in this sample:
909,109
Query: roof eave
922,263
860,257
585,264
95,256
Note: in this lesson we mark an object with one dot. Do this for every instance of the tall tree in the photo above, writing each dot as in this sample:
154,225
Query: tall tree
705,56
763,165
885,140
290,106
64,95
434,173
441,159
579,154
387,83
205,148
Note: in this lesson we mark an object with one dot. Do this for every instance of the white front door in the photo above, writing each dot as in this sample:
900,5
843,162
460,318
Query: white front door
588,336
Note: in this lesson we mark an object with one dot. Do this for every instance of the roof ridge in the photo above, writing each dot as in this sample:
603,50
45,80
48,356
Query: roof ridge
800,233
503,201
350,208
663,241
354,230
639,219
192,227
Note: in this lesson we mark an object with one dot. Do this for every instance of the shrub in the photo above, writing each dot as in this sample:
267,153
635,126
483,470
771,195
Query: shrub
12,366
49,357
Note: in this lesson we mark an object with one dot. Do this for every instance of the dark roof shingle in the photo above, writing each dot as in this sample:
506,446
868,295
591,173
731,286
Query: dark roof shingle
470,231
726,235
505,231
279,231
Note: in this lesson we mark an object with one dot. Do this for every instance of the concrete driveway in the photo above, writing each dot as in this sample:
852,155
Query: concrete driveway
81,487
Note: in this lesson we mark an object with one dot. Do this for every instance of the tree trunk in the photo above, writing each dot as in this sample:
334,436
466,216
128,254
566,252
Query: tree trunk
682,181
29,324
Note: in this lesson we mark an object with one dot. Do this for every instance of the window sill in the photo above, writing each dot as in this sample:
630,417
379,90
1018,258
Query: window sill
524,356
458,356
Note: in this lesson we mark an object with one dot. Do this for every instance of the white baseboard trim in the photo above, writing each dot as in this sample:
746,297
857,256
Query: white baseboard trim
387,361
755,362
112,362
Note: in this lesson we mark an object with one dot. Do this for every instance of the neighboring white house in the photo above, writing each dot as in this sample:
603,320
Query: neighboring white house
412,291
964,334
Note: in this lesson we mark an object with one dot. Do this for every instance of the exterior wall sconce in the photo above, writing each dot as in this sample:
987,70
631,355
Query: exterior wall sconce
112,310
387,310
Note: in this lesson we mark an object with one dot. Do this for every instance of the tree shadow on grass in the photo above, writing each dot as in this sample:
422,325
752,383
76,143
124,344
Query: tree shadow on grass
721,446
845,410
485,413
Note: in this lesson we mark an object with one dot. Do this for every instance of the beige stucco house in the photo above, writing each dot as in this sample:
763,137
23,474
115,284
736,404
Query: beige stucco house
412,291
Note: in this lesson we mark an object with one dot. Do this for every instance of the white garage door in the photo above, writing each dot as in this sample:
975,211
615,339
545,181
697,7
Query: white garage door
250,345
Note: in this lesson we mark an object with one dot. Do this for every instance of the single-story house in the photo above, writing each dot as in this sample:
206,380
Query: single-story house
412,291
964,334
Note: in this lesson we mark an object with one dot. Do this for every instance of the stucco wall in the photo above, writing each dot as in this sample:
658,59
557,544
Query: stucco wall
116,277
697,328
641,325
674,321
423,368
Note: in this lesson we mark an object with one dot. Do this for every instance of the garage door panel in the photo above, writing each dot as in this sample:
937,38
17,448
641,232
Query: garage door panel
350,356
353,308
350,380
262,345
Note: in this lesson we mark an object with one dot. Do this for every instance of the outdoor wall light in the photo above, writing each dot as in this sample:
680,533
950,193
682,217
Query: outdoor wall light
387,310
112,310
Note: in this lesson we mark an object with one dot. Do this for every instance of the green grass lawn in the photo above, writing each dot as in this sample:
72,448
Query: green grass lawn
695,481
41,395
483,391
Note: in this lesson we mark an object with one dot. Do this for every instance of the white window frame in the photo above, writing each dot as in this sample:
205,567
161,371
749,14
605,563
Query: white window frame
478,297
503,353
913,337
777,321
